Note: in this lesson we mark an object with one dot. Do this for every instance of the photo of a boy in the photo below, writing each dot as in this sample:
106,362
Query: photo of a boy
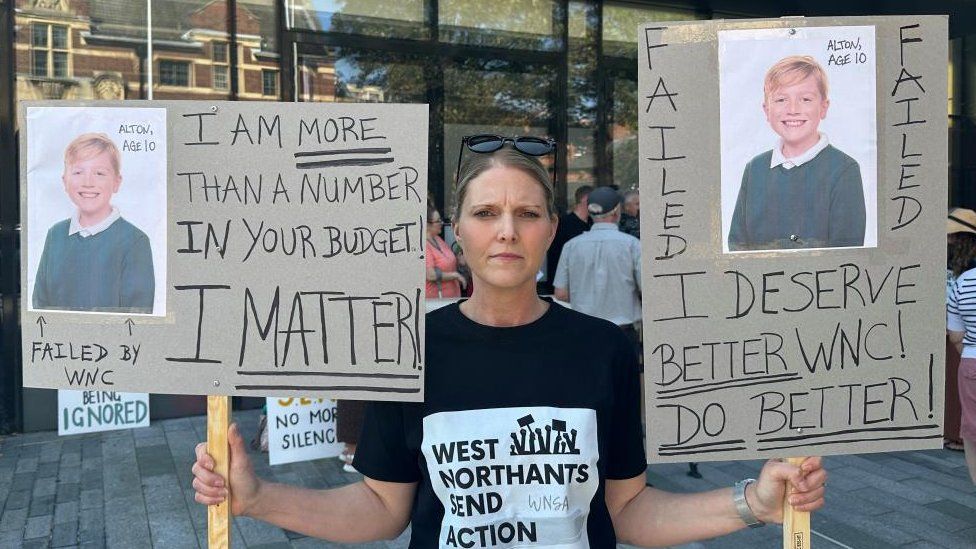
804,193
95,260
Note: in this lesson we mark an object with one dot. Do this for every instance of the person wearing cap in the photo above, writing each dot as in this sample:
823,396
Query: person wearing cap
599,271
961,323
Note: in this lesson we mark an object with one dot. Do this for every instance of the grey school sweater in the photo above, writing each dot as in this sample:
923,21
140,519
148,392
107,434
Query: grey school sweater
819,204
111,271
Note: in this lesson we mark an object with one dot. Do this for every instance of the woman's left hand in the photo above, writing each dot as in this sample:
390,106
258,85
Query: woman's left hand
806,485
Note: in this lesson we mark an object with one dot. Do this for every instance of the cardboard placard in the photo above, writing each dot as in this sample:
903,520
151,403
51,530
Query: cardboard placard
793,303
254,248
301,429
93,411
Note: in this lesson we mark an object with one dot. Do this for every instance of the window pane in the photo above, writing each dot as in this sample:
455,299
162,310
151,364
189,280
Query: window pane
174,73
220,77
358,76
580,160
258,55
59,37
39,66
525,24
620,23
60,60
269,83
186,30
400,19
39,35
316,78
219,52
584,25
623,133
106,65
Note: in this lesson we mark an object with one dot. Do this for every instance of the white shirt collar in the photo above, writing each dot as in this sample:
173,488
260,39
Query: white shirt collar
807,155
75,225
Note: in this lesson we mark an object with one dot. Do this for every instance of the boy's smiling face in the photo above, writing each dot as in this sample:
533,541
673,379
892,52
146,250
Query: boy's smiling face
90,184
794,112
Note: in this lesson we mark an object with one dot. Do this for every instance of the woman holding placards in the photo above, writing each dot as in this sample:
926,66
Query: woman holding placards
530,432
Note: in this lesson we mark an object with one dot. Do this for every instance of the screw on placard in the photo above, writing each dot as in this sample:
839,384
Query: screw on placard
213,108
792,32
216,383
798,429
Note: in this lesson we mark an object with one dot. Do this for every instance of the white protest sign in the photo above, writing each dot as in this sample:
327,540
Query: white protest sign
301,429
94,411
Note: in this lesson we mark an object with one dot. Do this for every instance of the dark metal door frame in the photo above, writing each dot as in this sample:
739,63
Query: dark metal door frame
10,358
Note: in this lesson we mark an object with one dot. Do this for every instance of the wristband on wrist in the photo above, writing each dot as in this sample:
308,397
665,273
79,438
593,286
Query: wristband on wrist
742,506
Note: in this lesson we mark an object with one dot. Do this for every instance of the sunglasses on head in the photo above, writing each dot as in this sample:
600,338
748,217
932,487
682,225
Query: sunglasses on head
487,143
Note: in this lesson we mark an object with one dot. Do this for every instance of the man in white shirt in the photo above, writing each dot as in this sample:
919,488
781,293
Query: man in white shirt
599,270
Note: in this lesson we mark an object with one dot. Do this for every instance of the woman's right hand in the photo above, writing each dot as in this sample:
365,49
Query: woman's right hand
211,488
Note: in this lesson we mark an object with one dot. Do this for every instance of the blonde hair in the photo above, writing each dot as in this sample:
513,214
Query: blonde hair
90,145
476,164
792,69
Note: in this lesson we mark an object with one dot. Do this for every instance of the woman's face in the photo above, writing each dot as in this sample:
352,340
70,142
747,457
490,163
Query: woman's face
434,224
504,228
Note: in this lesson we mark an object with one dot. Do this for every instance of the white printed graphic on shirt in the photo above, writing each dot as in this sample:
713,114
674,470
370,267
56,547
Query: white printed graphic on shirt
513,477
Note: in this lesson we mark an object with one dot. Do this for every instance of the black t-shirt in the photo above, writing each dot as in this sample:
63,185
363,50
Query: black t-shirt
570,226
518,431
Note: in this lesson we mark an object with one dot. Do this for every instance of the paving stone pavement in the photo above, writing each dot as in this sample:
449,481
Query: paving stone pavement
131,489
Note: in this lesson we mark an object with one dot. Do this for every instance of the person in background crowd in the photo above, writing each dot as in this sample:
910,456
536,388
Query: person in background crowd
961,323
630,214
599,271
571,224
961,222
443,278
511,382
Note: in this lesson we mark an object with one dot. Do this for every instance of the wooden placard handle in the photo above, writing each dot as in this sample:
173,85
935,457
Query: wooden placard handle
796,524
218,516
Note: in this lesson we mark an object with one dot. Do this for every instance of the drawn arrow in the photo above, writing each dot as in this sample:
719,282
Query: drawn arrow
40,324
129,323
